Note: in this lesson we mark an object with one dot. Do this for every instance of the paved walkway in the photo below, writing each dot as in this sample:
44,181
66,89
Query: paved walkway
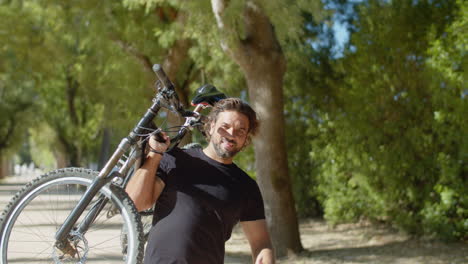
12,184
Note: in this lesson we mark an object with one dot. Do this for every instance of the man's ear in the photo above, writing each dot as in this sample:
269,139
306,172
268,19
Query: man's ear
247,142
212,127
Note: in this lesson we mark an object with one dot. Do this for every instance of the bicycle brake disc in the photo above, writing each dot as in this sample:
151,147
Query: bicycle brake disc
80,246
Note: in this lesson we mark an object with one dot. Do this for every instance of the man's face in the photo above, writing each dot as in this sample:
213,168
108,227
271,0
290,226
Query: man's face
229,133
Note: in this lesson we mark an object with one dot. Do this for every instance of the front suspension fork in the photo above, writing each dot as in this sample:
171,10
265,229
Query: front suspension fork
104,177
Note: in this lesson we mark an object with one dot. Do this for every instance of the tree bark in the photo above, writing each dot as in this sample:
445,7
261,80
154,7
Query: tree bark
263,63
73,149
61,159
175,57
5,166
105,148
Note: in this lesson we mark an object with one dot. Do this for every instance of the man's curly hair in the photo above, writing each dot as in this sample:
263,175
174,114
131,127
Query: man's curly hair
234,104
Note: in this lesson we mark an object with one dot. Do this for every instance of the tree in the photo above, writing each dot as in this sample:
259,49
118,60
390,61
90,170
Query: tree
259,54
384,154
203,31
64,86
73,91
17,96
309,95
445,214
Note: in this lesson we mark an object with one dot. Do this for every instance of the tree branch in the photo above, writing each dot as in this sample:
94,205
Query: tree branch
259,30
142,58
230,45
260,40
173,61
71,90
191,76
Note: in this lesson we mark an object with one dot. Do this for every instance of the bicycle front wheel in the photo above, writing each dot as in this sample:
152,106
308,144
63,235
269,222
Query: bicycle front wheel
29,223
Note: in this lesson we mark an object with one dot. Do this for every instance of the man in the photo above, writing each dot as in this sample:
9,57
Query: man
202,194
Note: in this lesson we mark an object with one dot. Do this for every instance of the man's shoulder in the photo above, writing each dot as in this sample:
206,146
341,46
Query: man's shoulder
244,176
181,154
180,151
177,157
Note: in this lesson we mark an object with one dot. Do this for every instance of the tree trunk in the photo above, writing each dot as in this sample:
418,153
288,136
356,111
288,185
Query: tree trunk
61,155
172,65
261,59
105,148
61,160
6,168
265,90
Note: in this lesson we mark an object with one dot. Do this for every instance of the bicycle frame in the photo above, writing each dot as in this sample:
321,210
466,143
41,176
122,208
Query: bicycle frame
165,97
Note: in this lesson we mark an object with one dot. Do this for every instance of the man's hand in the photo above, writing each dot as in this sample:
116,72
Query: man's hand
145,187
259,240
266,256
153,144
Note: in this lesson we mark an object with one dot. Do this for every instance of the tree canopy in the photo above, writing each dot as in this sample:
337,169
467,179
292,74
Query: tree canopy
391,127
376,132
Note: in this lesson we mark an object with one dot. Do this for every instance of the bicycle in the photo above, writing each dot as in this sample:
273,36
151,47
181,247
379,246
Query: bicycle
100,222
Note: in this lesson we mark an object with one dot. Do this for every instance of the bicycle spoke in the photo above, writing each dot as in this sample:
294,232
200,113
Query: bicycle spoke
38,215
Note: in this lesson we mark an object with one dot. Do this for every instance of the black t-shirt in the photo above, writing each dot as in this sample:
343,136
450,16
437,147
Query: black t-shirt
202,201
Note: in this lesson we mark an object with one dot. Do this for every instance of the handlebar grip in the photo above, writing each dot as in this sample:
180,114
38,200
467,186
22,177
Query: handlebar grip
162,76
158,136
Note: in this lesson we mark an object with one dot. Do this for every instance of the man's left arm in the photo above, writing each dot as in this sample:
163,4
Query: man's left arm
259,239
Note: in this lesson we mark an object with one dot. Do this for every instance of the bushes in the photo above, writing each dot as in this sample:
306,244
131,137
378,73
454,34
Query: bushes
415,189
387,138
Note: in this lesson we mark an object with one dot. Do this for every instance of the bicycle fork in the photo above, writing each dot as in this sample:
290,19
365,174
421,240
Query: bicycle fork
63,235
105,176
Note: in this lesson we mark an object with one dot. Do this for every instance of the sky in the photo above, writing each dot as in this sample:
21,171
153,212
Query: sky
341,35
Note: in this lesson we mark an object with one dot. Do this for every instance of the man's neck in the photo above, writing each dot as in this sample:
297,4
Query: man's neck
211,153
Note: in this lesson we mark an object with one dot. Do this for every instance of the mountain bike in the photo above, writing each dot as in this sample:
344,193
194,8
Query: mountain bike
77,215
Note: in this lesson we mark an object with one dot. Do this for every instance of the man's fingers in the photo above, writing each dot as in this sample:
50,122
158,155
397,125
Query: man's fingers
163,140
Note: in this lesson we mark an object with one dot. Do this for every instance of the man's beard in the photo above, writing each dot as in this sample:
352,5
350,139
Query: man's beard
224,153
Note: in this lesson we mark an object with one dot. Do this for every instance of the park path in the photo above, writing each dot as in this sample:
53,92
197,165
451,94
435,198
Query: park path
344,244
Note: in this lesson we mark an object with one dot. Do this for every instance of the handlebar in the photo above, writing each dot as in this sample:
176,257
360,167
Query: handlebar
158,70
166,97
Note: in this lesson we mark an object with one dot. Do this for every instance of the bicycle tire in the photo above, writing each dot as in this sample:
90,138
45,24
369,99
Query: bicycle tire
29,222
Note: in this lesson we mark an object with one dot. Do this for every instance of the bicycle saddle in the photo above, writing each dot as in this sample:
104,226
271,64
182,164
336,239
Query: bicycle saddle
207,95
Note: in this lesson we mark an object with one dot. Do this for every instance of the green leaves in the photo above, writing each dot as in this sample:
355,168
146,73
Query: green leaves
397,134
17,95
65,60
379,133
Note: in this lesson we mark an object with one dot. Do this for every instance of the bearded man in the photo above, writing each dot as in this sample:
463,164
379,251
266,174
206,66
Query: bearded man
199,195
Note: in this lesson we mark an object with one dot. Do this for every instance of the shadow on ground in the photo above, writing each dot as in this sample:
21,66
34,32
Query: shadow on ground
408,252
358,243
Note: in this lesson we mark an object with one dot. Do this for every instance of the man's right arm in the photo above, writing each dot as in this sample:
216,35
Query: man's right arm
145,187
